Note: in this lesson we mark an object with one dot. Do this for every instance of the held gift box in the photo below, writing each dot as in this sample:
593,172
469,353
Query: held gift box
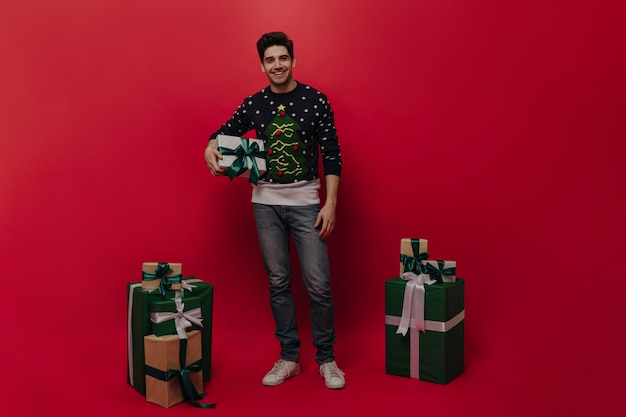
163,385
139,325
243,157
436,354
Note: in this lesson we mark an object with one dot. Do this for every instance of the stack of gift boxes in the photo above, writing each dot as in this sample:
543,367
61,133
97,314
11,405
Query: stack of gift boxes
169,335
424,317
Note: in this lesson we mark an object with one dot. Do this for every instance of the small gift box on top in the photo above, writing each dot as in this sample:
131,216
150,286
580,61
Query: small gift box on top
161,276
412,253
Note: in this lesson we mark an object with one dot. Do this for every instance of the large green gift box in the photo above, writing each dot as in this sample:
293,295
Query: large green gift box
436,354
140,325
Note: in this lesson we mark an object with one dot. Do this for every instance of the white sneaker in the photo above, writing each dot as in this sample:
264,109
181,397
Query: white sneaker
280,372
333,376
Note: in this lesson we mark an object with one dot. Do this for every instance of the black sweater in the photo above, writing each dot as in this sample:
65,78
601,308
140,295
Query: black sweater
295,127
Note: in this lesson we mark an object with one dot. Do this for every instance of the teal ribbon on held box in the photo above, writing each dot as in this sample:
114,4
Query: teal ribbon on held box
139,325
437,353
242,156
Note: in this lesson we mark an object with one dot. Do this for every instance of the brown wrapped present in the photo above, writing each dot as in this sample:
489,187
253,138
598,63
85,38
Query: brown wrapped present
412,253
161,276
163,376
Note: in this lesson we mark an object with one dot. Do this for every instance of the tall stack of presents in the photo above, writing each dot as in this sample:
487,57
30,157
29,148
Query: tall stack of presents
169,335
170,327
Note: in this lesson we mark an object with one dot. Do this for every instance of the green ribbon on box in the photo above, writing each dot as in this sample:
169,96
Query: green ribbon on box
437,271
240,164
186,385
161,272
414,263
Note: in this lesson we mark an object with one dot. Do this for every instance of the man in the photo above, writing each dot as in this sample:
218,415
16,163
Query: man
297,125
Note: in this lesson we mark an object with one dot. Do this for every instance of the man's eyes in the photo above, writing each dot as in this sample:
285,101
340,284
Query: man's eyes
282,58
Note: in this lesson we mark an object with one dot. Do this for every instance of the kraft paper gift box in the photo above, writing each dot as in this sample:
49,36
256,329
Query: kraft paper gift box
436,354
161,276
176,316
440,270
163,366
243,157
412,253
140,325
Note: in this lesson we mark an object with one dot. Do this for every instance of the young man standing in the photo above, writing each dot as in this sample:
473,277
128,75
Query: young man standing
297,126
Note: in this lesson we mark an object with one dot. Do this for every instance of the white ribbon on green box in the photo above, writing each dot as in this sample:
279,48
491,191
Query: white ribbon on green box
414,334
413,304
182,319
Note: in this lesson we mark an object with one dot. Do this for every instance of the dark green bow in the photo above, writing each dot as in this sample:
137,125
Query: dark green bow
242,152
161,272
414,263
436,273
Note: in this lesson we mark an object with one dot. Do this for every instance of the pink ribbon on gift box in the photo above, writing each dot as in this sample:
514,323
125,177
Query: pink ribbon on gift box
182,319
413,304
434,326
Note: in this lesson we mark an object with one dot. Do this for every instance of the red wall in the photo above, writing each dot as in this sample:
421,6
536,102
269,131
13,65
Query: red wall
493,129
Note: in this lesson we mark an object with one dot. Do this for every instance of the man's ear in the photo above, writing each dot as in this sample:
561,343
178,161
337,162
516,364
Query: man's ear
294,63
262,67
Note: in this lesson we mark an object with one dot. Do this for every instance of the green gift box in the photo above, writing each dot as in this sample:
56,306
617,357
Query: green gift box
437,353
176,316
140,325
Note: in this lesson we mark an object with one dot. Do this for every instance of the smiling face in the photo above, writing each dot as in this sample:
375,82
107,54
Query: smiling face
277,65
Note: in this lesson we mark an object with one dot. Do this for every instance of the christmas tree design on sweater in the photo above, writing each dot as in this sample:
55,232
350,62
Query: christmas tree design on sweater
285,160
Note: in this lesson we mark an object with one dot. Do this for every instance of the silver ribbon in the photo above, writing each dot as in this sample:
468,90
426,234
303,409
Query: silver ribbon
131,291
413,304
182,319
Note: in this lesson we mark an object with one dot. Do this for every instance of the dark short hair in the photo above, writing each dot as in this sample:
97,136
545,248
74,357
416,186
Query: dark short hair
274,39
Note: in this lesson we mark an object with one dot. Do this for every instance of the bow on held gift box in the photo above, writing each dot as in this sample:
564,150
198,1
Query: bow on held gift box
243,157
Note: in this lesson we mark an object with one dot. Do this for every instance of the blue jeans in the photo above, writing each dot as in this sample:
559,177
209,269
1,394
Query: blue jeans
274,226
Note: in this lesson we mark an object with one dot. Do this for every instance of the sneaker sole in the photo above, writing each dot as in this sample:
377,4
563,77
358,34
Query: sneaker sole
273,384
335,387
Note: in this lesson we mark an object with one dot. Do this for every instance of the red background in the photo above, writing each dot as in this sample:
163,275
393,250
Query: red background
493,129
